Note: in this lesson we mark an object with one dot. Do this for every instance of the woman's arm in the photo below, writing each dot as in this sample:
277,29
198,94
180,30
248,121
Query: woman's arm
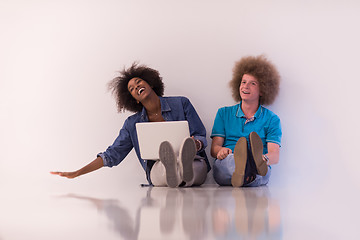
94,165
217,149
196,127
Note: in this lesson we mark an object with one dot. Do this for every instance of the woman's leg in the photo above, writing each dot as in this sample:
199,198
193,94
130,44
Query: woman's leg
169,161
187,155
171,171
200,173
158,175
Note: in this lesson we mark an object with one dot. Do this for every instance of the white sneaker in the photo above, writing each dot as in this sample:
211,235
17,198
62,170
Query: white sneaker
187,154
168,159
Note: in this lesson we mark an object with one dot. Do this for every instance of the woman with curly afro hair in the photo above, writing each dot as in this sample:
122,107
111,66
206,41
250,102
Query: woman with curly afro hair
140,89
246,137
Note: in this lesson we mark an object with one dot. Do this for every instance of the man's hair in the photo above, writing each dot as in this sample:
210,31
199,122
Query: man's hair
119,86
264,71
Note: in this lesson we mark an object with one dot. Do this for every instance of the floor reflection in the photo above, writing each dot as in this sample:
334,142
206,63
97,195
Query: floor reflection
245,213
185,207
194,213
120,219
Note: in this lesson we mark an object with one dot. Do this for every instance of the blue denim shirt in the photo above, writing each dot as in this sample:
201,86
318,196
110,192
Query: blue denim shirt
172,109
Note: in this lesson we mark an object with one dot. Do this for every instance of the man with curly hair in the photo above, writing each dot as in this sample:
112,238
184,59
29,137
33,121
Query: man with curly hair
140,89
246,137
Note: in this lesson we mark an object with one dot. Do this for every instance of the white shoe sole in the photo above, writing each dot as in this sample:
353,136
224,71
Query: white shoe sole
187,154
168,159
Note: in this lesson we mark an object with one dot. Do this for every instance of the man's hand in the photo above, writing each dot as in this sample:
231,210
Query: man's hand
223,153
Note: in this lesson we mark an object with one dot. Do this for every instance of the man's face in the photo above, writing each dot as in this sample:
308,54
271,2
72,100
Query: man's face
249,88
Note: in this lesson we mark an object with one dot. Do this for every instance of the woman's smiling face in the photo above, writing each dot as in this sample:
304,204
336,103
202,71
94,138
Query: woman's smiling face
139,88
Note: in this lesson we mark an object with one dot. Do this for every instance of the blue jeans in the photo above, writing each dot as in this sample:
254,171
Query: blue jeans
223,170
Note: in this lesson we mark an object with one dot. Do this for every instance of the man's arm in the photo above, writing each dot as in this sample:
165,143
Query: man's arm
273,153
217,149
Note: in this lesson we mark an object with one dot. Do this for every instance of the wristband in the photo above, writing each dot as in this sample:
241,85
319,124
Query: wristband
265,158
200,144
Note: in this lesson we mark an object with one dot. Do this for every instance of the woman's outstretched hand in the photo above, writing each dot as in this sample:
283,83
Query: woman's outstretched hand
66,174
94,165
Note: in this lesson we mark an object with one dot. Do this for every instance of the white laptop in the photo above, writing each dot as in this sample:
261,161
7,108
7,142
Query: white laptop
152,134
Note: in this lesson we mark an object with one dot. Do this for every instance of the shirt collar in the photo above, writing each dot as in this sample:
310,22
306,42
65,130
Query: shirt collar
164,108
240,113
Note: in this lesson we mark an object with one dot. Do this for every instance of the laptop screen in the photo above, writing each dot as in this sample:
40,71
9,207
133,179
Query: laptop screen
152,134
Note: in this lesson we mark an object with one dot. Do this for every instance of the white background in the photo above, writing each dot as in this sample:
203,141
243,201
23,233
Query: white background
56,58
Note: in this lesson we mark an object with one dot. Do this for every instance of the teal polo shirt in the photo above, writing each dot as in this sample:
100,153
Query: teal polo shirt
230,124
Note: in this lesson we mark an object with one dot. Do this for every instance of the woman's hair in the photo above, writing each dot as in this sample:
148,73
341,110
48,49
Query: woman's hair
119,86
263,70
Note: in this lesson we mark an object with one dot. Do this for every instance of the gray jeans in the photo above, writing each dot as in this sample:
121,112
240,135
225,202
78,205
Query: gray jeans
158,173
223,170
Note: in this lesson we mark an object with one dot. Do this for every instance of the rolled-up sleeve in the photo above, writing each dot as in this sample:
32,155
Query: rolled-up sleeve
197,128
121,147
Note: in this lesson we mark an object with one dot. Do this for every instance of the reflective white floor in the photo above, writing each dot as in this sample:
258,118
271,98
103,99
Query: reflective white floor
208,212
